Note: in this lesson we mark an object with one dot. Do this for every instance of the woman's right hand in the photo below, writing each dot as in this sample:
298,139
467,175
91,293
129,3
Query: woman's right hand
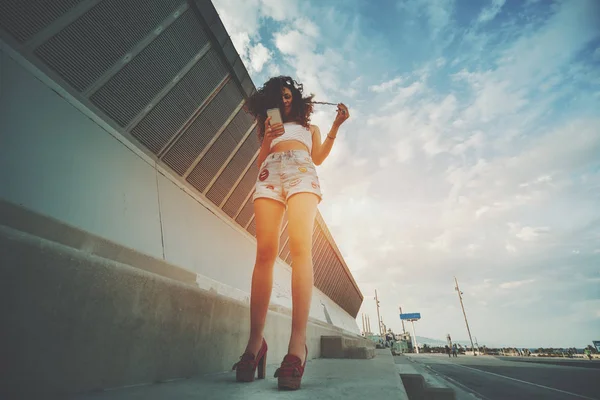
272,131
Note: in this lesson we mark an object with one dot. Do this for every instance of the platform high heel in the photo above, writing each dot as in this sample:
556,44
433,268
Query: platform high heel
245,369
289,374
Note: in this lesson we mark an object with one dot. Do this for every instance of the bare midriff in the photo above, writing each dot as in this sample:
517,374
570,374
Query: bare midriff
289,145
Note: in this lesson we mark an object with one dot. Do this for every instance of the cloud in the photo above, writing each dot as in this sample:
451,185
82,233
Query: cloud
489,13
318,70
259,55
385,86
475,156
404,151
527,233
527,62
510,248
515,284
279,10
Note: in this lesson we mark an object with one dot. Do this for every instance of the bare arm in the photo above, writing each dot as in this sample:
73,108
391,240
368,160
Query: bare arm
321,150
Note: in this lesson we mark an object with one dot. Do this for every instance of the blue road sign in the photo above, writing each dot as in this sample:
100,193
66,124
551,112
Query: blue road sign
411,316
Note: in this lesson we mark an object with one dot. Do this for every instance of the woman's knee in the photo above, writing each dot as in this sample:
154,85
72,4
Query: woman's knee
300,250
266,255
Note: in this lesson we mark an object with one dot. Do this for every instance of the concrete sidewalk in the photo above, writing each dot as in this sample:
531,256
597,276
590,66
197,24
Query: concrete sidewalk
323,379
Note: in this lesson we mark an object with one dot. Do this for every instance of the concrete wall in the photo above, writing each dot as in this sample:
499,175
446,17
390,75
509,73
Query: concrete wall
57,159
75,322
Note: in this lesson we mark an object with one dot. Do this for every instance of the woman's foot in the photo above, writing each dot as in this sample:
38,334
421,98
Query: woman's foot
254,345
298,350
250,362
289,374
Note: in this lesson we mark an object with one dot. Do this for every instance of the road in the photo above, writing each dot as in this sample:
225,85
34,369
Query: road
496,378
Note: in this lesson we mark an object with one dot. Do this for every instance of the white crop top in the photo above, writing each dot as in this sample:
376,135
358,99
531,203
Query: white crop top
294,131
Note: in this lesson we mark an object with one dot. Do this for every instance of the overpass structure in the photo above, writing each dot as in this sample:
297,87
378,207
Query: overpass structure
127,168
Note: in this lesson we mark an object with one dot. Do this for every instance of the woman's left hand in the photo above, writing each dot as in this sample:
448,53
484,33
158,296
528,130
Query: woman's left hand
342,115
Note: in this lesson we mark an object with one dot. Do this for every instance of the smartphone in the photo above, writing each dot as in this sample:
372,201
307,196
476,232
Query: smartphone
275,115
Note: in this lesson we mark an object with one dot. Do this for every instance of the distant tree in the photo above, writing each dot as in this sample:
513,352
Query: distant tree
592,349
426,348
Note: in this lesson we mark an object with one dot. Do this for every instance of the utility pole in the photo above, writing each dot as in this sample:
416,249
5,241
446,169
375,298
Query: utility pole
378,317
403,330
363,323
464,313
416,346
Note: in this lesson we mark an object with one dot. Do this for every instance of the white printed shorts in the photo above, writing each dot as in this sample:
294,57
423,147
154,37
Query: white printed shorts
286,173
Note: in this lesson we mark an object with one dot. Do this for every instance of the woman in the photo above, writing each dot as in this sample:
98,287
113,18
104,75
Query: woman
287,178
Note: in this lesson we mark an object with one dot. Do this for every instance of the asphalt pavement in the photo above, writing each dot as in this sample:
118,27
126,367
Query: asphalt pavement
569,362
495,378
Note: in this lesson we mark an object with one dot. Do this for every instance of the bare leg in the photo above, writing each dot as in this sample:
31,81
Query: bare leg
302,210
268,214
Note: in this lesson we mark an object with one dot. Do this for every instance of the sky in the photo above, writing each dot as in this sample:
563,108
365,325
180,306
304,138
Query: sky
473,150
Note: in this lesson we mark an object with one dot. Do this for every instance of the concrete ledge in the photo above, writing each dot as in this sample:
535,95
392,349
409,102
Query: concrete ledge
75,322
42,226
346,347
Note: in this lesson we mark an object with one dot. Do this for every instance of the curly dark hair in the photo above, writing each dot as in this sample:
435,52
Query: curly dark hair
270,96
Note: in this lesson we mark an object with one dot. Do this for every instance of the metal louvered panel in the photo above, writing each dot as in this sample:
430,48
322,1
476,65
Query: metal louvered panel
240,124
163,122
317,262
219,110
342,284
84,50
284,248
325,279
339,283
246,212
127,93
320,247
212,161
252,228
255,144
324,263
335,276
329,271
189,145
231,173
201,131
317,248
283,238
284,252
318,273
314,237
325,267
25,18
241,191
284,221
324,256
345,293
